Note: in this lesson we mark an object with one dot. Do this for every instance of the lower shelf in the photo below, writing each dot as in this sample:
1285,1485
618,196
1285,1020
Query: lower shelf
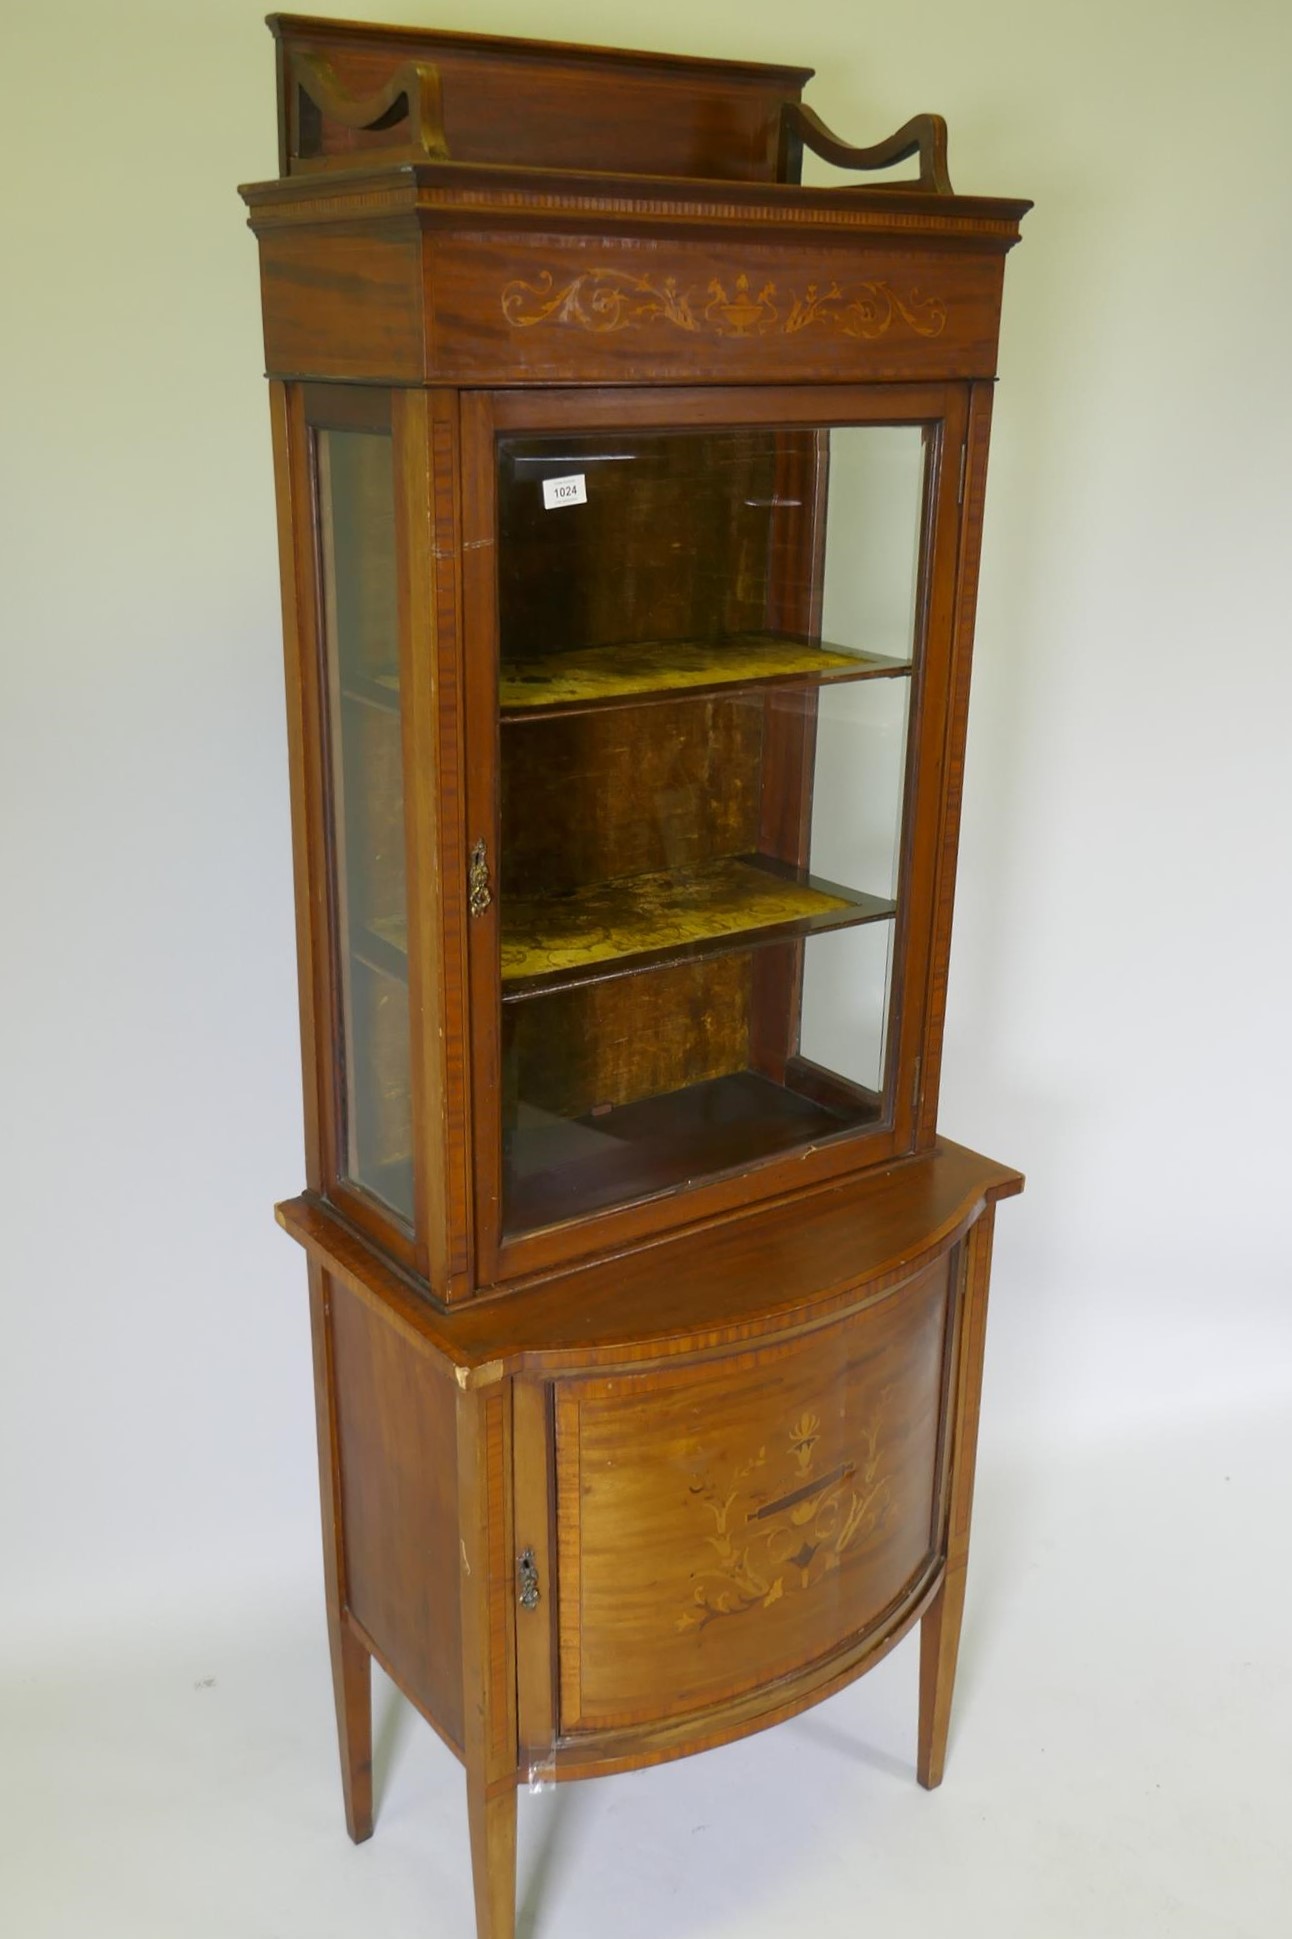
564,1168
641,921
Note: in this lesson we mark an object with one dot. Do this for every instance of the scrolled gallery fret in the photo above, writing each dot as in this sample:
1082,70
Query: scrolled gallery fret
606,300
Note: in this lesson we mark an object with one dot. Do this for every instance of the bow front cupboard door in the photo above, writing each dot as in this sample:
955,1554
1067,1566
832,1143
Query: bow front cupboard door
725,1524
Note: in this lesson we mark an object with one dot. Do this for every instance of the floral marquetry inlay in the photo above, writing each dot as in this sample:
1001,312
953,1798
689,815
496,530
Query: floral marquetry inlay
780,1526
607,300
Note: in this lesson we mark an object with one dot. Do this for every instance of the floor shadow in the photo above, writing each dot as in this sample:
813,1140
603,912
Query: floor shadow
392,1722
821,1731
560,1809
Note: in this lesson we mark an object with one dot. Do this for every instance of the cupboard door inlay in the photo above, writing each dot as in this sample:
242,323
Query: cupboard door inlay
722,1524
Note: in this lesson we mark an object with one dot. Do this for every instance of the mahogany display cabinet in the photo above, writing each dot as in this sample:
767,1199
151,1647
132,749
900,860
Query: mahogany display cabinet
629,496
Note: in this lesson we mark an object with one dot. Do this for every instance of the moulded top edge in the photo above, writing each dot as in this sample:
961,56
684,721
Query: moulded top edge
292,26
495,185
649,1301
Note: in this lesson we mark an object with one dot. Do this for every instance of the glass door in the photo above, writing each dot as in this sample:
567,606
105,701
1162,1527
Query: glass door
710,640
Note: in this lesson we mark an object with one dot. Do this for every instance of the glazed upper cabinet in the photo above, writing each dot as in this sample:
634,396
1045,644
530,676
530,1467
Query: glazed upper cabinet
640,559
707,635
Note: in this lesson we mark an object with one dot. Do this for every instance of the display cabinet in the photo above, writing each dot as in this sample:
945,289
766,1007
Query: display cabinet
630,496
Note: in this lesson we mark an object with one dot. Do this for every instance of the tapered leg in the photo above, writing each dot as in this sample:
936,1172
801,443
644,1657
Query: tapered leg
939,1646
493,1857
352,1687
351,1664
488,1650
940,1629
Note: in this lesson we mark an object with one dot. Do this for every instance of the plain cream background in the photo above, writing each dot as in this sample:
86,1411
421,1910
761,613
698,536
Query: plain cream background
1121,974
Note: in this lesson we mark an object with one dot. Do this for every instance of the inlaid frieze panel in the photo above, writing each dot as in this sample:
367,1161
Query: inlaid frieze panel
528,308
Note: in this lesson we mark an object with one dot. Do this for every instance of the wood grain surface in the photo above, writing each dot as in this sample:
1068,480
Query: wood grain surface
769,1271
399,1493
721,1526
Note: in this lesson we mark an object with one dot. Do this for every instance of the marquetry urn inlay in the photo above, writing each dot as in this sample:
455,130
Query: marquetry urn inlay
777,1524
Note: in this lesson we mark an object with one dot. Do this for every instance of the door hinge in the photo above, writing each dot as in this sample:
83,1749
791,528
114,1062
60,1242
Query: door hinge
479,894
527,1591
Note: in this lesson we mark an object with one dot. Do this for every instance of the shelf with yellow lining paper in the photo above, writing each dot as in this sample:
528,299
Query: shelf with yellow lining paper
639,922
584,679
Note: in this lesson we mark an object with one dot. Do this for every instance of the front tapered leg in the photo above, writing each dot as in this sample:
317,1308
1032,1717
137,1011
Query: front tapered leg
939,1647
493,1857
940,1629
488,1594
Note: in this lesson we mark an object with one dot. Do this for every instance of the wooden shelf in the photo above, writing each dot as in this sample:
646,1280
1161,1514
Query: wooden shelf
391,1184
379,690
591,678
643,921
559,1168
382,943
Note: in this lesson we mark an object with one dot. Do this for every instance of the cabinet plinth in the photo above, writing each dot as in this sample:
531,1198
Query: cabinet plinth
629,525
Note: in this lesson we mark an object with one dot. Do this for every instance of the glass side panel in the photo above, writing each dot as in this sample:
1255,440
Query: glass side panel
357,517
706,647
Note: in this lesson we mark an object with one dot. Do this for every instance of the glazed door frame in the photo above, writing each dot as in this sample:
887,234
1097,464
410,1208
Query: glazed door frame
922,928
422,429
